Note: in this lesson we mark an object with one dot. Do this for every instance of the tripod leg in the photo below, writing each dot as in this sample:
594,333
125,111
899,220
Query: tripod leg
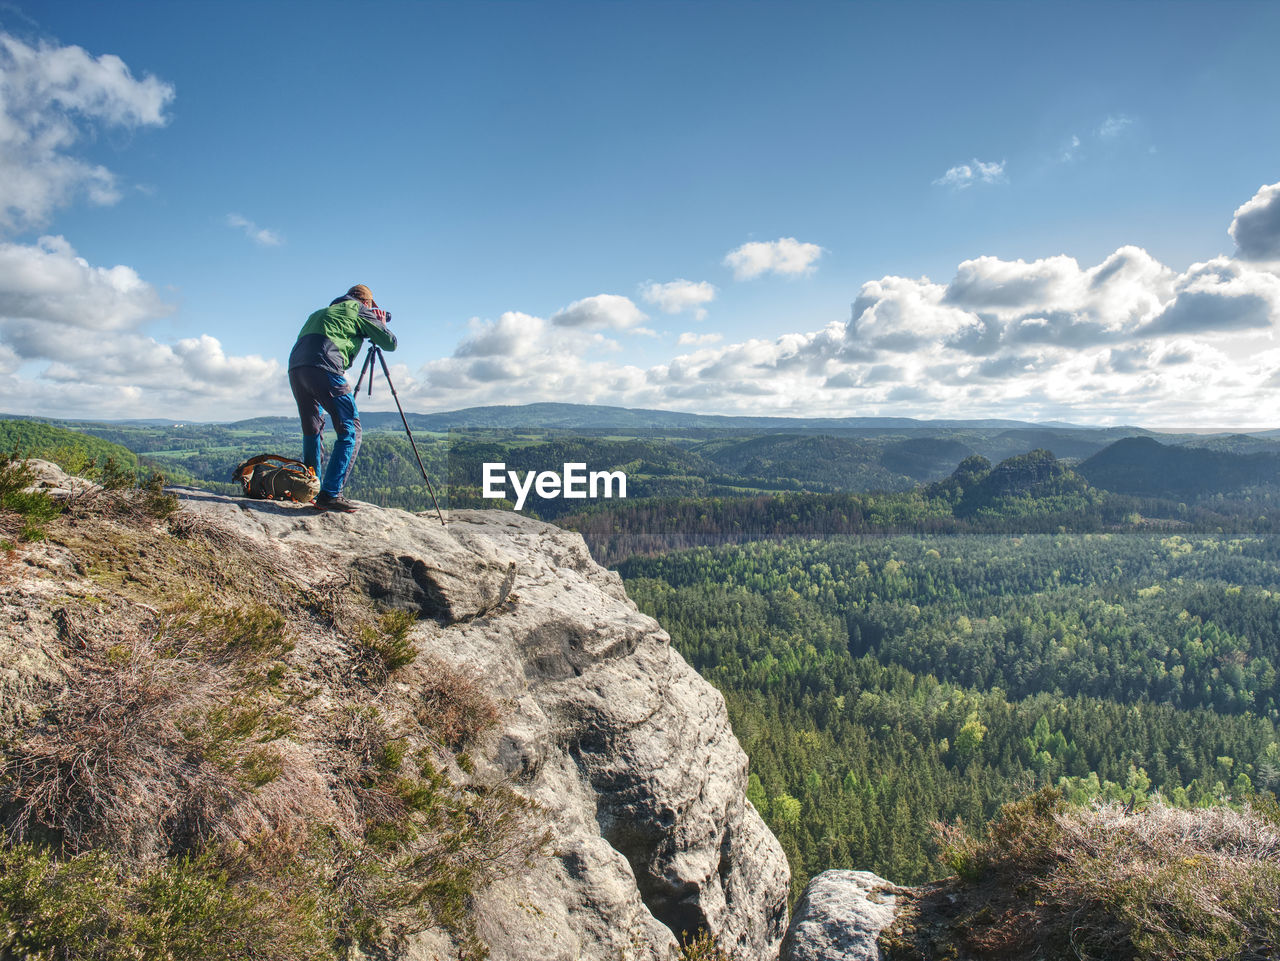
366,367
404,420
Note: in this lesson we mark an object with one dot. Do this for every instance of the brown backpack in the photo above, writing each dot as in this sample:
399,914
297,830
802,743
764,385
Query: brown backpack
272,477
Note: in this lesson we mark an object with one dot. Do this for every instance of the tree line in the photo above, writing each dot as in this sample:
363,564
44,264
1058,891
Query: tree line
880,684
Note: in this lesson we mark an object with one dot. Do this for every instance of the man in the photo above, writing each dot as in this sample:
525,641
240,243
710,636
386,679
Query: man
327,344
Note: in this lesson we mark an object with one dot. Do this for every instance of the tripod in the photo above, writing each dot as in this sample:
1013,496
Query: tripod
375,351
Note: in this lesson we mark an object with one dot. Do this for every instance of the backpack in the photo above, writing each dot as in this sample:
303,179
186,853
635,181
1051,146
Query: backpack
289,480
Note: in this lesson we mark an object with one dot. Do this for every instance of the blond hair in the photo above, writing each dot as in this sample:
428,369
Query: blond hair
360,292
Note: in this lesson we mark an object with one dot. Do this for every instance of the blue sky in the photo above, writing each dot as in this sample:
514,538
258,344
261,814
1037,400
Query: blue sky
954,209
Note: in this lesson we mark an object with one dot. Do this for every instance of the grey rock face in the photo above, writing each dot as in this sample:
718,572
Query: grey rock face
399,560
628,751
840,917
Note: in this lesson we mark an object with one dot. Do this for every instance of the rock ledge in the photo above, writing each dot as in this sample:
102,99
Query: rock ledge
840,918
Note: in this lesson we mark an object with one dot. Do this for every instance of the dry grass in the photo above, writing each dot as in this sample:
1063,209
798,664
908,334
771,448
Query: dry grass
1167,882
156,740
453,704
110,490
1105,883
197,527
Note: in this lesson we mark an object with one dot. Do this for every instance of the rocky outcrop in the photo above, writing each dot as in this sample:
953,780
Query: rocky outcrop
626,751
840,918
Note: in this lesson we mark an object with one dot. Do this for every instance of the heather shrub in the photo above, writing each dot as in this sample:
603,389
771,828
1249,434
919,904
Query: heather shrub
453,704
162,729
1109,882
701,947
386,645
89,907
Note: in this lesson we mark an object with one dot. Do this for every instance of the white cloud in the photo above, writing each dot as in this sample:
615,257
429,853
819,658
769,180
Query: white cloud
48,284
1114,126
510,335
992,305
783,256
259,235
521,358
1221,295
1256,225
901,315
209,366
1054,300
603,311
689,339
994,284
47,95
679,295
1127,339
87,323
9,359
964,176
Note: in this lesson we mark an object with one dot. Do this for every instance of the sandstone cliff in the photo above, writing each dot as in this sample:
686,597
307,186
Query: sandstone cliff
625,751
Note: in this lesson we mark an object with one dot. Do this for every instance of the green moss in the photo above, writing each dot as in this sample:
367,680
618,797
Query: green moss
391,755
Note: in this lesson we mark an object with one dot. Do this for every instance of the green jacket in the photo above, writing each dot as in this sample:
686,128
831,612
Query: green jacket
332,336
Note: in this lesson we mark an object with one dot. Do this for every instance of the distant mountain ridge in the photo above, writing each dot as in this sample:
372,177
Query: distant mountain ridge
700,455
586,416
578,416
599,416
1144,466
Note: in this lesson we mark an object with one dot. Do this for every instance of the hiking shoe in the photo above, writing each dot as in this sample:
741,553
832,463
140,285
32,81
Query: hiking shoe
333,502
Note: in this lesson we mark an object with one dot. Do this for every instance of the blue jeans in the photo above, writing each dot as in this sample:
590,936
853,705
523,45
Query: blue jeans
318,390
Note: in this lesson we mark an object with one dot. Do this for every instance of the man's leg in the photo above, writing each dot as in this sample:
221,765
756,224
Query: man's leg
341,407
302,381
312,451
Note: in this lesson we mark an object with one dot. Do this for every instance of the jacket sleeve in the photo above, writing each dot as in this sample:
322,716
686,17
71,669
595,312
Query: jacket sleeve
373,324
